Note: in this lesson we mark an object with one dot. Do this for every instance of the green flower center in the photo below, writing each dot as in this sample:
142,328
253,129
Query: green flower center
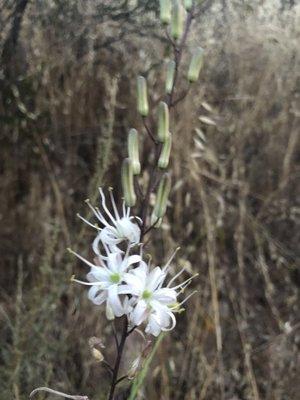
146,295
115,278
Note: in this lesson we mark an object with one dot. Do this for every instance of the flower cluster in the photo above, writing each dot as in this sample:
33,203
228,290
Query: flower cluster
124,281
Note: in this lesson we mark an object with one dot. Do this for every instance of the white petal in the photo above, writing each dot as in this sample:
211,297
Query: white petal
124,289
165,295
114,262
96,295
95,244
135,282
139,313
163,316
154,279
129,261
110,236
98,274
128,230
153,327
114,301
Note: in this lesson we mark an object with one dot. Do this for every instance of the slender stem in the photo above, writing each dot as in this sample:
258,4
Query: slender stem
121,345
178,50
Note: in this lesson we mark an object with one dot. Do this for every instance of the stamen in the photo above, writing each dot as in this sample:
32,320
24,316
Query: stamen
96,213
188,297
176,276
165,268
88,223
101,217
85,283
104,206
185,282
81,258
112,199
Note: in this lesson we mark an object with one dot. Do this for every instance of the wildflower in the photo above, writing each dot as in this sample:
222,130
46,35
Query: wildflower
153,303
116,228
105,278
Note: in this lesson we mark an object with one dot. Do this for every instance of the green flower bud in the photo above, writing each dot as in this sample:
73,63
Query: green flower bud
165,152
178,19
162,195
163,121
155,222
133,151
195,65
170,76
143,107
127,183
188,4
165,11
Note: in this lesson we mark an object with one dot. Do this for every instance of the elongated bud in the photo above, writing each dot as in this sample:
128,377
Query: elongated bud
98,356
133,151
195,65
127,183
155,221
142,100
188,4
163,121
170,76
164,188
164,157
165,11
135,366
178,19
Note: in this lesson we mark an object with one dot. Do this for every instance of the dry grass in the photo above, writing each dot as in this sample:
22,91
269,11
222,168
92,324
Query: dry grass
234,206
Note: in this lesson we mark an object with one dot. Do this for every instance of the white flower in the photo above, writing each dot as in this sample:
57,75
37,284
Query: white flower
116,228
154,304
105,280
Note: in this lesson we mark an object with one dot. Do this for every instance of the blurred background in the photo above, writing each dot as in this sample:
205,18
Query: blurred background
67,99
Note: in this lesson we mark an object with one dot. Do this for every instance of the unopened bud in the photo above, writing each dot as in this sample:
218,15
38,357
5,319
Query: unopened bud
165,11
188,4
127,183
133,151
98,356
163,121
134,369
170,76
178,19
109,312
195,65
155,221
164,188
164,157
142,100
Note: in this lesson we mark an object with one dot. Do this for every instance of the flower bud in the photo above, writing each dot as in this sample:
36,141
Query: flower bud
188,4
178,19
164,157
155,221
134,368
163,121
97,355
164,188
170,76
127,183
133,151
165,11
195,65
143,107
